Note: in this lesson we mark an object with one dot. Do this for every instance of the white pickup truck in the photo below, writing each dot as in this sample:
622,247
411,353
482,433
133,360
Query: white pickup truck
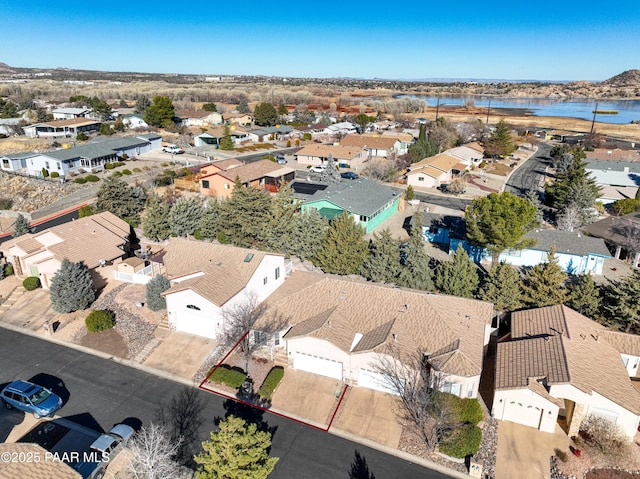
172,149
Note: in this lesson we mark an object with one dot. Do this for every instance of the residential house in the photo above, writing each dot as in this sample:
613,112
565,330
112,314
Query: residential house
405,140
134,121
340,328
469,155
340,129
214,135
546,374
344,156
61,128
374,145
100,241
316,130
619,179
435,170
201,118
208,279
16,162
621,233
70,113
263,174
242,119
38,467
369,203
270,133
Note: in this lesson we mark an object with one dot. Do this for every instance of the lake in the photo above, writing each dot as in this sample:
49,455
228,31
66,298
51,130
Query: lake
628,110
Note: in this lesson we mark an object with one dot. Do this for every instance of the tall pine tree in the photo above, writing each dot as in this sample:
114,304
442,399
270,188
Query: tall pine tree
244,217
415,272
621,305
502,287
544,284
155,221
278,235
71,287
383,264
308,235
584,295
209,223
343,250
458,277
21,226
185,216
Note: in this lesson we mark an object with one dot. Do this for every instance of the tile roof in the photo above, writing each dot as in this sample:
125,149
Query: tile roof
338,152
226,272
622,342
42,469
560,344
369,141
362,196
442,162
339,310
570,242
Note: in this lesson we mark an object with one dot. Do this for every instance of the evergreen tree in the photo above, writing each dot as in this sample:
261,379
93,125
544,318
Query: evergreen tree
210,107
423,148
185,216
584,295
309,232
576,183
122,200
282,110
458,277
330,175
344,250
155,222
245,215
499,221
502,287
500,142
158,285
265,114
71,287
544,284
21,226
363,120
383,264
226,143
621,305
142,103
209,223
278,235
534,198
415,272
161,112
236,451
243,106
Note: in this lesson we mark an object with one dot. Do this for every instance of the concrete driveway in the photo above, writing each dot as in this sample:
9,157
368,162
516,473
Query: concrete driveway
307,396
524,452
30,310
181,354
370,414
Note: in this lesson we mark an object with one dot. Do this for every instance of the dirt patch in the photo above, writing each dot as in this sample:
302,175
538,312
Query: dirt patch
611,474
109,341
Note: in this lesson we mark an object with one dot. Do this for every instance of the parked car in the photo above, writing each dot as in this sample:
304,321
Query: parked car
317,169
281,160
442,187
30,398
110,443
349,175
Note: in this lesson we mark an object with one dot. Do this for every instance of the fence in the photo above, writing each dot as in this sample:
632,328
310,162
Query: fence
141,277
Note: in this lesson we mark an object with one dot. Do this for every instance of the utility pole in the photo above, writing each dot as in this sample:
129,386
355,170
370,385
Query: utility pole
437,107
488,110
593,122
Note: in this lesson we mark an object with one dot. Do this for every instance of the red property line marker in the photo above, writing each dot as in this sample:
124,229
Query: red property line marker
222,360
57,215
333,416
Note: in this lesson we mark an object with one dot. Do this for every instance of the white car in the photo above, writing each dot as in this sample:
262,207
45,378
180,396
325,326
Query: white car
317,169
110,443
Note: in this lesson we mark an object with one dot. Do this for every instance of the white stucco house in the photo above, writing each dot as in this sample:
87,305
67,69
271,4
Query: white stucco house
340,329
207,278
134,120
561,367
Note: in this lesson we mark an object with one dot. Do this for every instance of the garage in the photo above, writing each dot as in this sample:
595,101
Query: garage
196,323
317,365
522,413
373,380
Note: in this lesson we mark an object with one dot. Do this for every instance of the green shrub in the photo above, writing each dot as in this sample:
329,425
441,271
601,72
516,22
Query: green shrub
461,442
137,170
31,283
82,136
482,164
307,136
86,210
92,178
45,173
55,174
271,382
80,181
116,174
230,376
467,410
8,270
109,166
6,203
100,320
126,172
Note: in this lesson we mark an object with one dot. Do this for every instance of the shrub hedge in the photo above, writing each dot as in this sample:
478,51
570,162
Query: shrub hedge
31,283
80,181
92,178
461,442
109,166
8,270
467,410
271,382
126,172
230,376
100,320
55,174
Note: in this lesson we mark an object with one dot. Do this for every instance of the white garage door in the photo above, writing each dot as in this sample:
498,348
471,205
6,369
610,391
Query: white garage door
198,324
522,413
318,365
374,380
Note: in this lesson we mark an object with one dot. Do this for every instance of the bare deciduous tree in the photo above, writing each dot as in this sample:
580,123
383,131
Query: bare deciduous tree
242,317
630,236
152,454
421,405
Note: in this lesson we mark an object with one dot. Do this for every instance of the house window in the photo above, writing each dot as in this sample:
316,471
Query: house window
470,390
5,163
58,165
264,281
226,186
193,306
46,165
277,272
420,178
276,339
205,184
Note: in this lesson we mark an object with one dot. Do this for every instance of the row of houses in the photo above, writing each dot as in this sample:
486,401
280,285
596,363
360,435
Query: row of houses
341,328
440,169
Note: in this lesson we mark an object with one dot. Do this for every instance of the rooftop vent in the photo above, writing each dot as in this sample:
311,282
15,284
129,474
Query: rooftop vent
248,258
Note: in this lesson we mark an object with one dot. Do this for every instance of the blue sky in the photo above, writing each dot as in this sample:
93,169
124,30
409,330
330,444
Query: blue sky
414,39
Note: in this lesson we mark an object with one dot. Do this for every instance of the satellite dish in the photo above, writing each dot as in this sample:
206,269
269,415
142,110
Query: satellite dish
103,262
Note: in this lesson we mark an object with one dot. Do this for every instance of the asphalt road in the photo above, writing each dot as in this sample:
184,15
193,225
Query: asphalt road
528,176
102,393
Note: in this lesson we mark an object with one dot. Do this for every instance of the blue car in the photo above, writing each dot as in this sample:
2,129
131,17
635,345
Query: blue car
349,175
30,398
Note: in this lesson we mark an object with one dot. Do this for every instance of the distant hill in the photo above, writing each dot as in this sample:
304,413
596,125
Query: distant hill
628,78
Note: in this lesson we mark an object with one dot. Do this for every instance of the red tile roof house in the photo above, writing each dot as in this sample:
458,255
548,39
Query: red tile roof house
561,367
263,174
101,241
339,328
207,278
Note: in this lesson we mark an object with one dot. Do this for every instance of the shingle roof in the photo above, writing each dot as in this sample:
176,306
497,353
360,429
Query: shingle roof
26,469
560,344
368,141
427,170
442,162
611,228
226,272
99,148
570,242
361,196
339,310
338,152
